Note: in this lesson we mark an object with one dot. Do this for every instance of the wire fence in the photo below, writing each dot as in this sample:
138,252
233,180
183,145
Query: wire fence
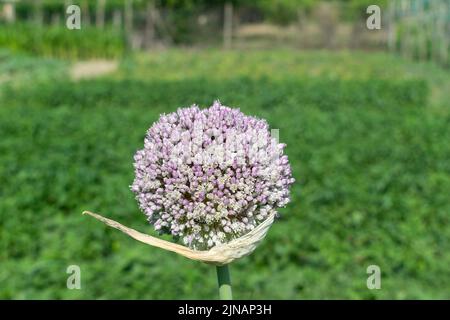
420,29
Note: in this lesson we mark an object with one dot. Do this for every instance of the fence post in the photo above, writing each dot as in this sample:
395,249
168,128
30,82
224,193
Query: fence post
117,19
421,31
227,25
100,14
392,30
405,36
56,19
85,17
441,30
149,33
128,21
9,12
301,16
37,13
436,38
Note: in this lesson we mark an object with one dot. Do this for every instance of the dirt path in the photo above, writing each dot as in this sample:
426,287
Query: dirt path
92,68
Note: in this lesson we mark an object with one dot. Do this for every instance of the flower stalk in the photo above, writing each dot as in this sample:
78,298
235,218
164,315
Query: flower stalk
224,281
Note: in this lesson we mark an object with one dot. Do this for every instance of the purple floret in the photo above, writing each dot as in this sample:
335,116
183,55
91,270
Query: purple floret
209,176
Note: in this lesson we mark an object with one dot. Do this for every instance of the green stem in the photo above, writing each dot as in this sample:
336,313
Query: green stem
223,278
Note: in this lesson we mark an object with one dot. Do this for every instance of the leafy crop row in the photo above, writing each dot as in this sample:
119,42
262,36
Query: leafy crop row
370,159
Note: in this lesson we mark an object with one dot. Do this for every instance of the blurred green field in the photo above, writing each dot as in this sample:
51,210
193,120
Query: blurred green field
368,139
54,41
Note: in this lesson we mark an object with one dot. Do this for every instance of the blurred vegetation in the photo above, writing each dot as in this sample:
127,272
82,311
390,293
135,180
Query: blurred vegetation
367,138
58,41
177,19
280,10
17,69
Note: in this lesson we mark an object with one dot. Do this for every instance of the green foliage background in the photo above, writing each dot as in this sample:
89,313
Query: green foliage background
58,41
368,139
180,16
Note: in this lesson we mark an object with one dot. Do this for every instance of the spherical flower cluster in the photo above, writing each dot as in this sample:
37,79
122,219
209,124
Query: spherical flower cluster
209,176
